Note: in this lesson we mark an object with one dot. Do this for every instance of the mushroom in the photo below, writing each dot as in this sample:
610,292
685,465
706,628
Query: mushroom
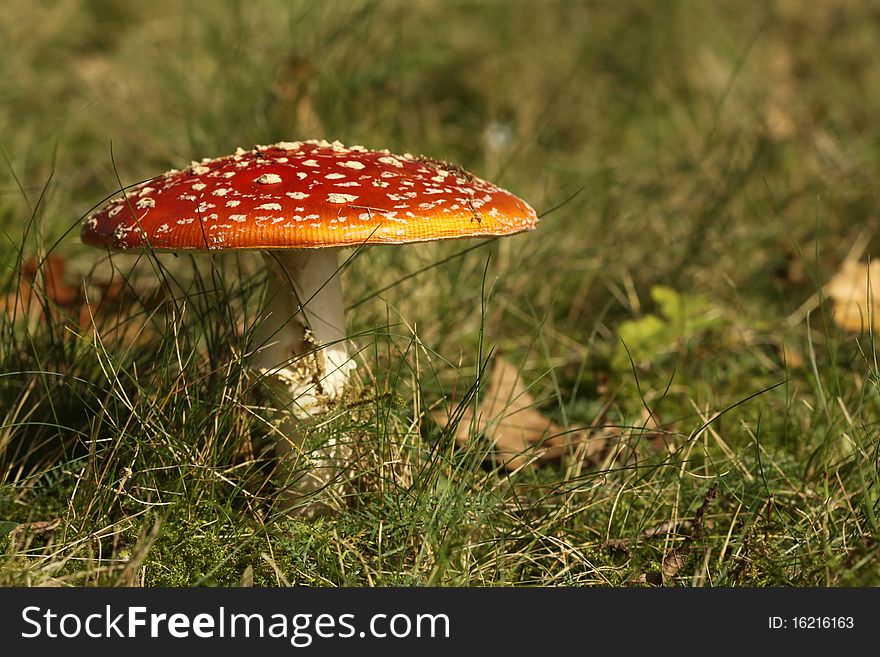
298,202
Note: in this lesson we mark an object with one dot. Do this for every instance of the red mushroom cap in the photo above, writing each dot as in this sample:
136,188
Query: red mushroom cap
306,195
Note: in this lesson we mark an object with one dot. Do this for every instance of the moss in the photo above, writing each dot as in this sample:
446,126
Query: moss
198,548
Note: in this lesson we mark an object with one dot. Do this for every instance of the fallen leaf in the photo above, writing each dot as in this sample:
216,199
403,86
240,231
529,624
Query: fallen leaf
42,281
115,306
676,558
855,291
23,534
520,434
791,355
247,577
673,562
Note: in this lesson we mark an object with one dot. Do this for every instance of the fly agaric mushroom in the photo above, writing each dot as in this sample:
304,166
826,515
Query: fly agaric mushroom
298,202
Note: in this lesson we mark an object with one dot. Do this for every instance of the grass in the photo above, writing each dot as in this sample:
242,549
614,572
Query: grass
708,169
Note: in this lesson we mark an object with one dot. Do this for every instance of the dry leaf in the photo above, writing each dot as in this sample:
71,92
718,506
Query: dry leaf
247,577
46,279
673,562
676,558
46,291
855,290
791,355
519,433
22,535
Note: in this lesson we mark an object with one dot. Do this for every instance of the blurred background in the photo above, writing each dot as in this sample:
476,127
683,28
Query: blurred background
706,146
703,170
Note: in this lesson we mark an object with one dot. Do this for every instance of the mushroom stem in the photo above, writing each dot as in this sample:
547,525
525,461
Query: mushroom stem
301,352
300,342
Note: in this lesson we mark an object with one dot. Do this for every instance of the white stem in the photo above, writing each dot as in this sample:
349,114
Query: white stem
300,350
300,342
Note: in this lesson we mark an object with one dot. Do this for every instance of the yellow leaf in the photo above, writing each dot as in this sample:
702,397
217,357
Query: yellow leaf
855,290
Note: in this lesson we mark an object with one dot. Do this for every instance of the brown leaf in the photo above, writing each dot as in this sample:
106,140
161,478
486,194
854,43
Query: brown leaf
855,290
520,434
791,355
673,562
53,271
115,306
676,558
24,533
41,282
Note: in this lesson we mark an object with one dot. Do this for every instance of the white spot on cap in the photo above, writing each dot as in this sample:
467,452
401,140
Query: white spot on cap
198,168
297,195
288,145
240,218
146,203
229,174
352,164
222,191
199,186
351,183
310,163
269,206
341,198
233,204
334,176
268,179
393,161
114,211
302,175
